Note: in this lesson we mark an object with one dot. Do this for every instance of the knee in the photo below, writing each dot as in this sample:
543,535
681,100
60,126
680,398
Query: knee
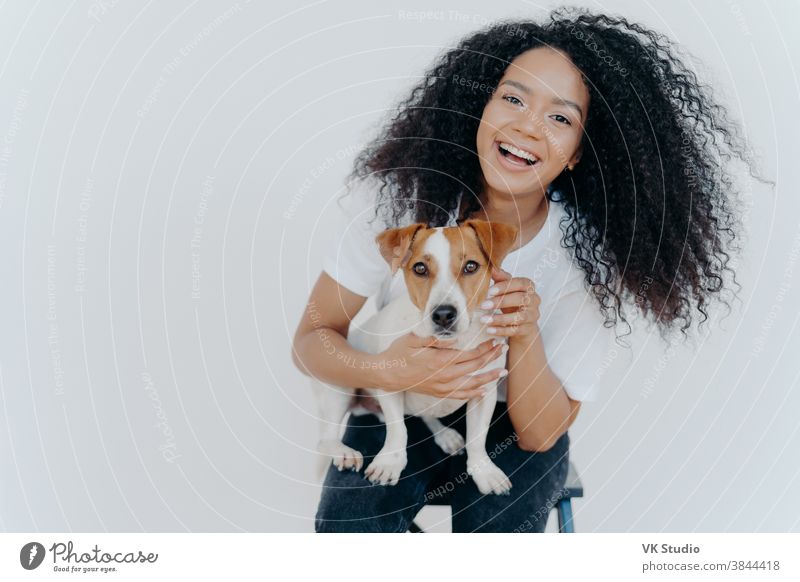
358,514
330,517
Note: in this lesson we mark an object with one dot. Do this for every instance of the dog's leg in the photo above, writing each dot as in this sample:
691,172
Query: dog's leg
488,477
334,402
387,465
448,439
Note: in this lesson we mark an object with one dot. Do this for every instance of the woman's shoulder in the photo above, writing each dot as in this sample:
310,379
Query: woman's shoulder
353,258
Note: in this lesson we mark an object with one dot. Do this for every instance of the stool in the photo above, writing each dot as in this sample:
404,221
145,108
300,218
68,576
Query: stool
572,488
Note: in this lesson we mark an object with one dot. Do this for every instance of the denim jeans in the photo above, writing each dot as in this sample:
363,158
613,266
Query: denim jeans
350,503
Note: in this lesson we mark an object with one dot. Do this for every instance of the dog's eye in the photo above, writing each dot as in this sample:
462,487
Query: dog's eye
471,267
420,269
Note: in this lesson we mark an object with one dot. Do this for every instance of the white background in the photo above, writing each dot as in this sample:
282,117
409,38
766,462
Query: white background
128,402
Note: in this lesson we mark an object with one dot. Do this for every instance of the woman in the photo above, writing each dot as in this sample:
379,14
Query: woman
588,134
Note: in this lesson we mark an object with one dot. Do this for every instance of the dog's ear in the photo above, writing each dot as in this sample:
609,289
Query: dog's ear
395,244
495,238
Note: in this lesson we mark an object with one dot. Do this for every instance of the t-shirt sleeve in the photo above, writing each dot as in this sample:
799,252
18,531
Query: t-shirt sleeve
576,343
353,258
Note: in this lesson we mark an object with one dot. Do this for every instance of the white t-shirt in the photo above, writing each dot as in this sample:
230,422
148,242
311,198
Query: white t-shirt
571,326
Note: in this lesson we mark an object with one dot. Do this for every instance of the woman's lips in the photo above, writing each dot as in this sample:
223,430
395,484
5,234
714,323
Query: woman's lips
510,165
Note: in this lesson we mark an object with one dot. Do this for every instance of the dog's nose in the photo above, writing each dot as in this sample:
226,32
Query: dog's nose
444,315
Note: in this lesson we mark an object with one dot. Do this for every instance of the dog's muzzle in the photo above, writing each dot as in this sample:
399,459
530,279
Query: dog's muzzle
444,319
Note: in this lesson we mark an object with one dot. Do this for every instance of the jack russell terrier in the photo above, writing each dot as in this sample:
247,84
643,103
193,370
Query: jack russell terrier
447,271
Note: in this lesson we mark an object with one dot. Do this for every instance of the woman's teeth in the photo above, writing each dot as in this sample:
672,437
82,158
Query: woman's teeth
517,154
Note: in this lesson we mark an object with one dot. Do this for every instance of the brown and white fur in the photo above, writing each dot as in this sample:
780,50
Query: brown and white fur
445,290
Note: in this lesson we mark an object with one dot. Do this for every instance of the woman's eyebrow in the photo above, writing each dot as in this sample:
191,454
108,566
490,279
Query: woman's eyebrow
556,100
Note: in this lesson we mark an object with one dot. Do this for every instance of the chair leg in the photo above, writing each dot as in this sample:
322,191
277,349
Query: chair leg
565,524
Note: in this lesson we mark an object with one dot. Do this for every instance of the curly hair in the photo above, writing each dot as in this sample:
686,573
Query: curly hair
651,211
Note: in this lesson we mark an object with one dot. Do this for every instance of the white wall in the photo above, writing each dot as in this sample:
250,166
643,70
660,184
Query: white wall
130,402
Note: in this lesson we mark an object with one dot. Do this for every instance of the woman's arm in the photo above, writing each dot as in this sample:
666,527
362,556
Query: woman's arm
538,405
320,348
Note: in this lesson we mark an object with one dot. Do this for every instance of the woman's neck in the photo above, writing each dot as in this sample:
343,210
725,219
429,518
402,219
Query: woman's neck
528,213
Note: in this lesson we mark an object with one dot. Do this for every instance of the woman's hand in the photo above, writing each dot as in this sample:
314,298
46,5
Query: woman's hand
516,297
428,366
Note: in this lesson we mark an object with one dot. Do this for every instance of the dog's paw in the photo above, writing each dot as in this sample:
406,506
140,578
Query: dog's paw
385,469
343,456
489,478
450,441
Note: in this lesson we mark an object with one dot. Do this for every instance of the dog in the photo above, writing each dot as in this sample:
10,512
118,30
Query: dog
447,271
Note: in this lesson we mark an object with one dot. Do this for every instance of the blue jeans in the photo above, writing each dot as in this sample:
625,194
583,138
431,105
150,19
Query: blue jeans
350,503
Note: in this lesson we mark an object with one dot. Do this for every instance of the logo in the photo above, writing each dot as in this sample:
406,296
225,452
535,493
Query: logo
31,555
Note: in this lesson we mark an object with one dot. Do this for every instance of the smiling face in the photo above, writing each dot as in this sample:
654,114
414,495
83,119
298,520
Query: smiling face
447,270
536,114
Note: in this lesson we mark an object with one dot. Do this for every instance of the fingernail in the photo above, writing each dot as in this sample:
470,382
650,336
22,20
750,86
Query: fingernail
504,349
491,330
503,373
493,291
487,304
486,318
